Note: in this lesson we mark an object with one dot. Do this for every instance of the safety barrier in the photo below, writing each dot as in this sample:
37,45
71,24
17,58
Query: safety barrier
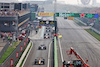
15,55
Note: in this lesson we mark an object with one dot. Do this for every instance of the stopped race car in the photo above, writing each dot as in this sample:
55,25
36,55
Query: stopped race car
46,34
39,61
47,27
47,30
42,47
76,63
46,37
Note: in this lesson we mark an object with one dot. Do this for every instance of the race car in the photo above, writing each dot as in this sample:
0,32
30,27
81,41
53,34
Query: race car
42,47
47,27
48,30
76,63
39,61
46,37
46,34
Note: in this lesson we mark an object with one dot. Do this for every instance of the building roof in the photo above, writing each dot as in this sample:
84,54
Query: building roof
9,1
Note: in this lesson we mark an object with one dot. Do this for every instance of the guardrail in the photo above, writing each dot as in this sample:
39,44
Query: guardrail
80,21
55,53
95,30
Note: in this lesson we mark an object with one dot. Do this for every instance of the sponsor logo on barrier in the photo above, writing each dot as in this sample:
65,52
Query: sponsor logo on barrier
24,43
17,54
11,63
21,49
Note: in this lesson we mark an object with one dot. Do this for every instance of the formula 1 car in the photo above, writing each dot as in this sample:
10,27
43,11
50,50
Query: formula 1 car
42,47
46,37
39,61
76,63
48,30
46,34
47,27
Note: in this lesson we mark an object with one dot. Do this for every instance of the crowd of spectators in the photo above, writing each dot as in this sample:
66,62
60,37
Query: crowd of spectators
12,13
6,36
95,11
8,13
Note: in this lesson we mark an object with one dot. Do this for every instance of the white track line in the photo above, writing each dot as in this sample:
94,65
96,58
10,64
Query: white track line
60,49
42,33
49,54
27,55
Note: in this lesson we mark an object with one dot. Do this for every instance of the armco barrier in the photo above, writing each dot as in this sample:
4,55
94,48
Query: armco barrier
12,59
55,53
4,49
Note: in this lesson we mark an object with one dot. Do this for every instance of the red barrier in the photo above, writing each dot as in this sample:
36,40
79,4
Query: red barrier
17,54
27,39
21,49
11,63
24,43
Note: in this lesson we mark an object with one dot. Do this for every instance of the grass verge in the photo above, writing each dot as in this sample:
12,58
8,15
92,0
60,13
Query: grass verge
79,23
94,34
9,51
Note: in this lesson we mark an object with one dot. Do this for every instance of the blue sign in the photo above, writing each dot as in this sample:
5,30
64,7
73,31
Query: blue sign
96,16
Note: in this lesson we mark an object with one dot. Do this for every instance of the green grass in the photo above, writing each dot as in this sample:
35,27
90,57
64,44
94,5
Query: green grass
16,44
94,34
9,51
77,22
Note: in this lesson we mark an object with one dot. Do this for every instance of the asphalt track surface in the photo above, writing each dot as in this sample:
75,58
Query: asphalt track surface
35,53
74,36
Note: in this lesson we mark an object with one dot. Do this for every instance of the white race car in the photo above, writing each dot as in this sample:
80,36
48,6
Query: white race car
46,37
42,47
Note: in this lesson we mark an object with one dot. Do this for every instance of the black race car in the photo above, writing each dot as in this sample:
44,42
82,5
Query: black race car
39,61
42,47
76,63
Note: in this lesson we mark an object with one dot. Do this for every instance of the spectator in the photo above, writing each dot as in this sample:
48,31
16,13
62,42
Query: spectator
1,36
3,39
0,12
8,38
11,38
11,13
5,12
